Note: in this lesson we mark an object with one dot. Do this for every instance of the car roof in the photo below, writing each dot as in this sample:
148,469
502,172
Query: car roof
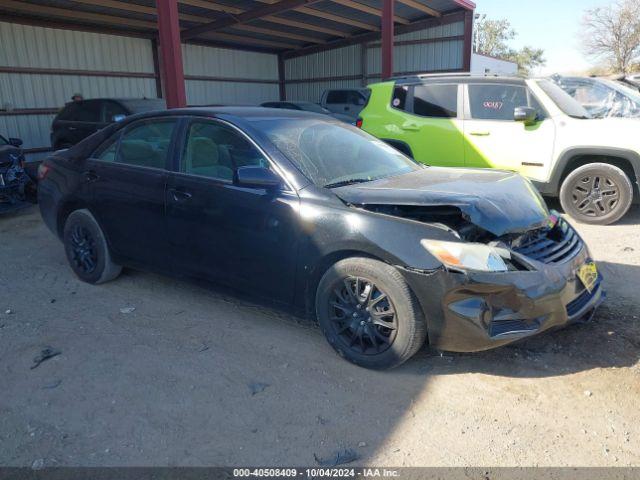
247,113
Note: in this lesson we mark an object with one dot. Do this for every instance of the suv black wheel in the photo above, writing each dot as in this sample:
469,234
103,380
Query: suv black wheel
87,250
368,313
596,193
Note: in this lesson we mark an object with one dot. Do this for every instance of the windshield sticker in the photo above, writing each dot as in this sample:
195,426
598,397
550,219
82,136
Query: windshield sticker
493,105
396,102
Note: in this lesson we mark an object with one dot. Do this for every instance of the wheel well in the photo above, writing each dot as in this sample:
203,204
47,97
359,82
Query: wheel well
64,212
320,269
399,145
622,163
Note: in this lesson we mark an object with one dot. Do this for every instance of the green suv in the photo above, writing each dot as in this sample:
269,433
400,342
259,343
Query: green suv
526,125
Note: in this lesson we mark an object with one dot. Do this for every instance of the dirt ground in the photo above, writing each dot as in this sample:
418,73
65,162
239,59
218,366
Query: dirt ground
198,375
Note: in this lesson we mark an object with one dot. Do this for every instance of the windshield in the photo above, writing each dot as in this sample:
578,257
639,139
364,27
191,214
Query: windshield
563,100
333,154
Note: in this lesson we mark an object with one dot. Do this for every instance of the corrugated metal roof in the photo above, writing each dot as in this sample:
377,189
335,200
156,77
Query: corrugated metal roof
280,31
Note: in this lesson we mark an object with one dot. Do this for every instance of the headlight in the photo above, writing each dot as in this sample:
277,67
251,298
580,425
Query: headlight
468,256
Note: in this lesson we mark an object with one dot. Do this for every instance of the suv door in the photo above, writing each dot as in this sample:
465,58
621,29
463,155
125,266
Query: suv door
432,123
493,139
126,177
76,122
245,237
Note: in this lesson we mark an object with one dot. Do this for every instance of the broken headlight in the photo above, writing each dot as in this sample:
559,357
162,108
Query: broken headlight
468,256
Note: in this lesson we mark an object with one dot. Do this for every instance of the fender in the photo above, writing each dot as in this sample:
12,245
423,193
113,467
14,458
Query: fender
552,186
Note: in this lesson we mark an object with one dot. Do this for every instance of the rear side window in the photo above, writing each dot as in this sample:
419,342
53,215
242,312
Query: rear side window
146,144
215,151
112,109
399,99
498,102
439,101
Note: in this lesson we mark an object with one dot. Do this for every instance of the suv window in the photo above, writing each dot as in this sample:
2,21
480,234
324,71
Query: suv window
111,109
85,111
497,102
439,101
337,96
214,150
399,99
146,144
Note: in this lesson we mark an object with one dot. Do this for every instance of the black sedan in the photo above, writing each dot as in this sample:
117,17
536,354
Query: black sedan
316,214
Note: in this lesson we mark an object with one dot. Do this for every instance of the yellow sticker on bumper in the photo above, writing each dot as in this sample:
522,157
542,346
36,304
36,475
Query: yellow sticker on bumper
588,275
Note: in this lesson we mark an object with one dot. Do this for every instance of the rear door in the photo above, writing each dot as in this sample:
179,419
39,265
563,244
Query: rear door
127,178
245,237
493,139
432,126
78,120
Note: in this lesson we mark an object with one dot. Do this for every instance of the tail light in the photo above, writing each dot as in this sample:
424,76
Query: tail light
43,171
359,122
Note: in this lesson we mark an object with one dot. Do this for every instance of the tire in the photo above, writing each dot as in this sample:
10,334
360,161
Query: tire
87,250
342,313
596,193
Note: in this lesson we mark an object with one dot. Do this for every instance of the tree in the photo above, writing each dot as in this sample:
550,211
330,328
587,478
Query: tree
612,33
492,38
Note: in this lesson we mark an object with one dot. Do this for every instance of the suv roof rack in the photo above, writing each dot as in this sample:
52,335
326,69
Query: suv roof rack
418,76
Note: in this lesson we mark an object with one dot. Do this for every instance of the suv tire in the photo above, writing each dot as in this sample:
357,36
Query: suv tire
87,250
596,193
368,313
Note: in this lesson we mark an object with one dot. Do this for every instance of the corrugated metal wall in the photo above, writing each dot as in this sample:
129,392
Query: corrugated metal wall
219,75
432,49
28,47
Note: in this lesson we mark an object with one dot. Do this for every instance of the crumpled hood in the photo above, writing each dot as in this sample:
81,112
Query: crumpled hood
496,201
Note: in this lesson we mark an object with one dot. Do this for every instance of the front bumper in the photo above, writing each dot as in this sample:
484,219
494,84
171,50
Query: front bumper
469,312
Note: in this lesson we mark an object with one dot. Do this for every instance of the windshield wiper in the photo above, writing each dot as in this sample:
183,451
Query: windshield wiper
343,183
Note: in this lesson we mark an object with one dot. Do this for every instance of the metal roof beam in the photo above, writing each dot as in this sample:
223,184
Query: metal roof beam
370,10
246,16
421,7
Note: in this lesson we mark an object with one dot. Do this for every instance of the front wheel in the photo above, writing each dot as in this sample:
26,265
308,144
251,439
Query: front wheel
368,313
596,193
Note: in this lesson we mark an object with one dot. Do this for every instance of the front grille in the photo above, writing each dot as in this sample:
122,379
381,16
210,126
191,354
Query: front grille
554,245
504,327
578,303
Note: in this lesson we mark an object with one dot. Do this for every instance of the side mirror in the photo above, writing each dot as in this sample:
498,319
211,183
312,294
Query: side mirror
118,118
257,177
527,115
16,142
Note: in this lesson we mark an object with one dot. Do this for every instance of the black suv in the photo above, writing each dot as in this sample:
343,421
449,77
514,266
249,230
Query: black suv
77,120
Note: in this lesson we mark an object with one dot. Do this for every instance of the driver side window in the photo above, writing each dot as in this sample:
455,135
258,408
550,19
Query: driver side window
216,151
498,102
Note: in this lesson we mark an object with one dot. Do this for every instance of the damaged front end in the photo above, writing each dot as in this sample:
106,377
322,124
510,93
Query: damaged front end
538,283
14,181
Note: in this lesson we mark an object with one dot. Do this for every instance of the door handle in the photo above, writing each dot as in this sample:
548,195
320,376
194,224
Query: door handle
409,126
91,176
480,133
179,195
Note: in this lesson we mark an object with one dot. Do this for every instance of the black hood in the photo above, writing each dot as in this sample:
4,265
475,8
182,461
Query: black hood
496,201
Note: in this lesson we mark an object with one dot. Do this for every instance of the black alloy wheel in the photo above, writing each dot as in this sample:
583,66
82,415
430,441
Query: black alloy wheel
363,316
83,248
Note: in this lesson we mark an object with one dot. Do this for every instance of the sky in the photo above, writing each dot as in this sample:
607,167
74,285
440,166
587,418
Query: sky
551,25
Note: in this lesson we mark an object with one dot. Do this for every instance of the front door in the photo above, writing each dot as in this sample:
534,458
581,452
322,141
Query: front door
494,140
127,179
245,237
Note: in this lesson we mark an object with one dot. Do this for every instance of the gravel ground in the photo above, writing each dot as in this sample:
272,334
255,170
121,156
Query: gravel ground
155,371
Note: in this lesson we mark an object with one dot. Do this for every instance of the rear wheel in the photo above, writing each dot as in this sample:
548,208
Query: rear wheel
368,313
87,250
596,193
